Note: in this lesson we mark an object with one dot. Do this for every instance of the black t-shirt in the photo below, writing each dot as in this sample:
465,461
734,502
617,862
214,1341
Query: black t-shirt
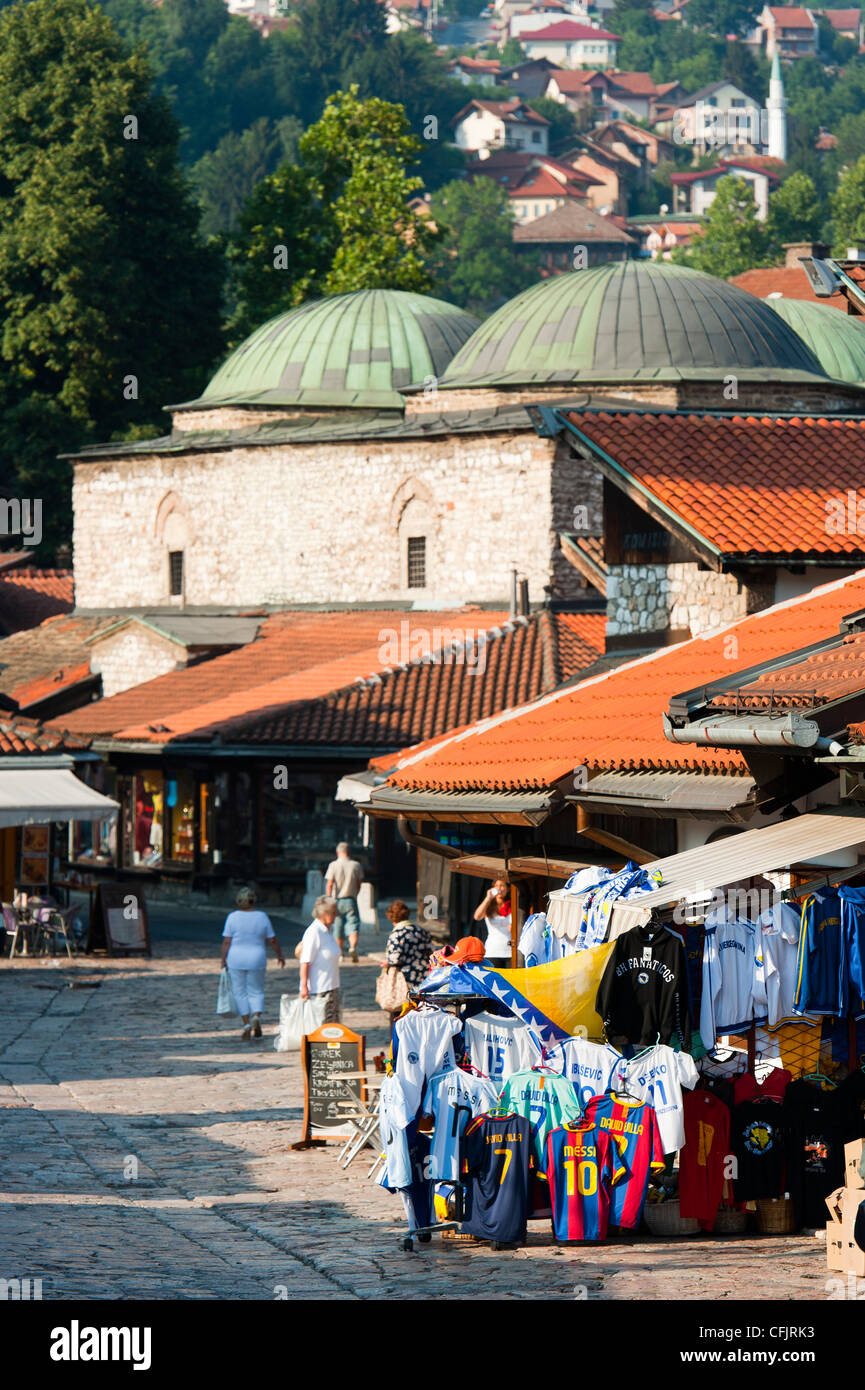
851,1105
644,989
497,1155
758,1137
815,1160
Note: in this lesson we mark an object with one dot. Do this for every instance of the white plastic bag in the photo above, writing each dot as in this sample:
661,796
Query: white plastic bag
225,994
296,1018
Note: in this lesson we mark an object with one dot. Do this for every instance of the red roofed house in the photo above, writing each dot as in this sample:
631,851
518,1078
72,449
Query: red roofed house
495,125
694,192
535,184
847,23
485,71
788,30
573,45
788,279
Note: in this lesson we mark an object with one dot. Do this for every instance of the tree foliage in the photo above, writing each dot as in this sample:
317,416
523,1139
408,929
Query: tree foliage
795,212
848,208
338,220
476,265
732,239
109,300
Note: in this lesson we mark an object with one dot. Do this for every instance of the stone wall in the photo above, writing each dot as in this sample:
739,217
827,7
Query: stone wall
132,655
682,597
320,523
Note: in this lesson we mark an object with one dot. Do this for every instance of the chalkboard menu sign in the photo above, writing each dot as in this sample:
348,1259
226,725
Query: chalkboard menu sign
325,1053
118,921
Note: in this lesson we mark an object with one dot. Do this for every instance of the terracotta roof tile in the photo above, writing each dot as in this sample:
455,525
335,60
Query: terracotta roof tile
614,720
749,485
47,658
29,596
806,684
787,280
26,736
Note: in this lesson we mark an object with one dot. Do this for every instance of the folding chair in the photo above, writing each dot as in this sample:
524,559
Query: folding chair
366,1125
55,922
14,926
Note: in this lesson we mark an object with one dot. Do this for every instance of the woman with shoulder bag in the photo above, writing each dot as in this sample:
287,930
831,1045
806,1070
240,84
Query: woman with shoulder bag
407,957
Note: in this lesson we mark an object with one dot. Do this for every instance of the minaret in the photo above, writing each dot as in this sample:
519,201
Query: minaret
777,108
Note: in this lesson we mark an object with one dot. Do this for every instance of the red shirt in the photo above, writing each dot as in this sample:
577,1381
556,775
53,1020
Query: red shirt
701,1161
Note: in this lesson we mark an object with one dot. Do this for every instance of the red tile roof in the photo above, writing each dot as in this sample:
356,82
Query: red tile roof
513,664
541,184
749,485
788,280
843,19
756,165
816,679
29,596
565,29
48,658
514,110
577,80
791,16
296,656
26,736
614,720
638,84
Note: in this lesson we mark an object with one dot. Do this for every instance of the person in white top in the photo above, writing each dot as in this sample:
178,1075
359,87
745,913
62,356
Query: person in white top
244,941
495,910
319,958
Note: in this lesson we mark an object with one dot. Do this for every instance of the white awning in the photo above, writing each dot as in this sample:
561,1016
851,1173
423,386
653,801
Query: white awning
698,872
37,796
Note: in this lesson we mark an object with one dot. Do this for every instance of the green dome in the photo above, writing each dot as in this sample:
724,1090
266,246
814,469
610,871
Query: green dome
358,349
836,340
631,321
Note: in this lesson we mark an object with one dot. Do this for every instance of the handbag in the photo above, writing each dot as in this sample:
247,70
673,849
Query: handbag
391,989
225,994
297,1017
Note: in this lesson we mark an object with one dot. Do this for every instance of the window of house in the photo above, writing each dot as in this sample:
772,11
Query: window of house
175,572
416,555
536,137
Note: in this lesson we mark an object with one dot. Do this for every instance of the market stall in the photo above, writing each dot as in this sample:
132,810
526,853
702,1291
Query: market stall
684,1048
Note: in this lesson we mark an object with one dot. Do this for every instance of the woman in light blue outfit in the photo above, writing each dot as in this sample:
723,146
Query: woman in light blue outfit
245,937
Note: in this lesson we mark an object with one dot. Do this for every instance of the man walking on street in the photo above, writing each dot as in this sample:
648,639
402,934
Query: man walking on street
342,881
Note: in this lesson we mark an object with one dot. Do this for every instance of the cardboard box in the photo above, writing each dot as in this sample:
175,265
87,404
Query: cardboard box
834,1245
850,1204
853,1153
833,1202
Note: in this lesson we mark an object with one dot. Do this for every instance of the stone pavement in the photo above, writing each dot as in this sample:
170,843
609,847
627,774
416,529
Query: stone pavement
146,1155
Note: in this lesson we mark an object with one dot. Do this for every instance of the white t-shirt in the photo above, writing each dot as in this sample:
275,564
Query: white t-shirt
394,1115
734,984
587,1065
499,1046
498,941
424,1046
454,1097
658,1077
319,949
249,930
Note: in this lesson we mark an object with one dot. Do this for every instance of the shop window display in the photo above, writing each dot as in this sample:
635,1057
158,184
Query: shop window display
148,804
94,842
180,818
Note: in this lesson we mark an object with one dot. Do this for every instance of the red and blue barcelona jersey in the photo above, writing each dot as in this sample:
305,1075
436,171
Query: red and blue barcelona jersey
634,1126
583,1163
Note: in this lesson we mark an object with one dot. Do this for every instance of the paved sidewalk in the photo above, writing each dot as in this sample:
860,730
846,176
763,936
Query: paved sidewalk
146,1155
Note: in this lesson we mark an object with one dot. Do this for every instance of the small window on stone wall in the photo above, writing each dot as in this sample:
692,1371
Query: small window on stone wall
416,562
175,572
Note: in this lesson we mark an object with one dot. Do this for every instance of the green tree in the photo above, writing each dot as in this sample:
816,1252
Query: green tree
511,54
109,299
563,123
795,213
226,177
724,16
331,40
339,220
848,208
476,265
732,240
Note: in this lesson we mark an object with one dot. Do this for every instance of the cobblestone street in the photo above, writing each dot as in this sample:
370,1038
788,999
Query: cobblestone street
139,1073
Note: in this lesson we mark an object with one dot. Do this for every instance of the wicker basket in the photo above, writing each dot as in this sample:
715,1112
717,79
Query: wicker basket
730,1222
664,1219
775,1216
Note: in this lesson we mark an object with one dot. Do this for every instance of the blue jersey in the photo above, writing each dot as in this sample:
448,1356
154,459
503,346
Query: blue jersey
853,928
497,1155
454,1097
821,979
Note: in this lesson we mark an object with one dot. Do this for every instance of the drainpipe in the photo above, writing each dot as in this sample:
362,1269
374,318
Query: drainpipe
424,842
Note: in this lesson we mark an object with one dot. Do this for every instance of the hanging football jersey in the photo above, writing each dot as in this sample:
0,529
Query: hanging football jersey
499,1046
634,1126
734,990
758,1133
454,1097
538,944
587,1065
780,925
815,1152
822,985
644,988
583,1162
657,1077
545,1100
704,1157
497,1156
424,1046
395,1116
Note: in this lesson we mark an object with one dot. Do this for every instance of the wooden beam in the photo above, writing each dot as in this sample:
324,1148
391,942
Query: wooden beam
614,842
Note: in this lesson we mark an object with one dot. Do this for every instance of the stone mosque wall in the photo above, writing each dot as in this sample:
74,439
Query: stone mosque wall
328,523
682,597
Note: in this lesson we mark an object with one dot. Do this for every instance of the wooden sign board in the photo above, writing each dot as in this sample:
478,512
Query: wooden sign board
332,1048
118,921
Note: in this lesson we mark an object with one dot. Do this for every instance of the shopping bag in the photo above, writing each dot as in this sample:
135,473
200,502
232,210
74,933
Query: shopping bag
297,1017
391,989
225,994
